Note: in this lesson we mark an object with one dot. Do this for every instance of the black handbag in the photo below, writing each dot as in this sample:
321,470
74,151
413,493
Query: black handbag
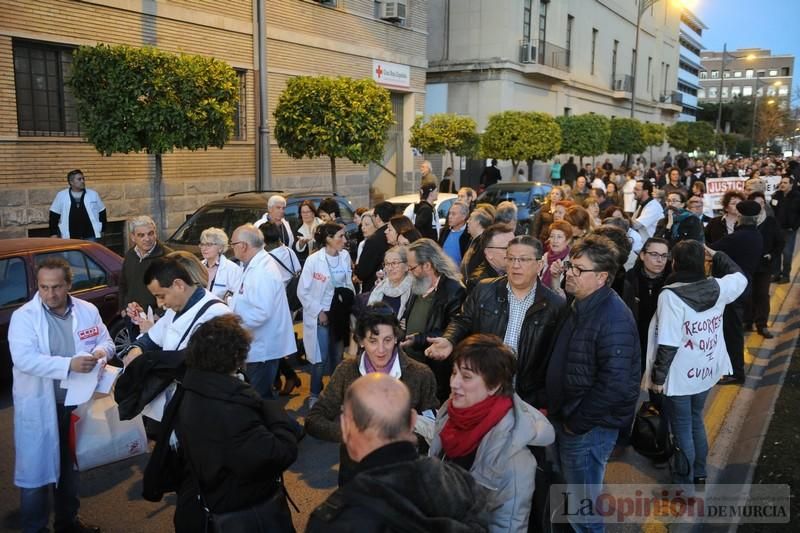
650,436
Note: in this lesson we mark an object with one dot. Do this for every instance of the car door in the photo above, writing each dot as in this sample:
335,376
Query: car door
15,290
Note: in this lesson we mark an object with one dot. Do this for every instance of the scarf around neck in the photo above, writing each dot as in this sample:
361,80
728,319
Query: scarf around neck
552,257
384,288
466,427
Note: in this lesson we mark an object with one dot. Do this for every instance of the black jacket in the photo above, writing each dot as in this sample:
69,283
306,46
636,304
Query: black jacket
395,490
774,241
641,296
131,281
594,370
483,271
486,310
716,229
787,209
463,239
423,219
745,246
569,172
490,176
371,258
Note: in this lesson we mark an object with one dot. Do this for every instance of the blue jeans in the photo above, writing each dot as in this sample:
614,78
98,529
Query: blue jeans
788,251
583,460
35,503
262,378
685,415
331,353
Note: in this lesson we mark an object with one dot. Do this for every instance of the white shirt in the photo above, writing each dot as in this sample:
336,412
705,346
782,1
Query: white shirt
649,215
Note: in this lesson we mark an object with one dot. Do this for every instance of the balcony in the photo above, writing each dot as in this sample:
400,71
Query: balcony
621,86
674,98
544,54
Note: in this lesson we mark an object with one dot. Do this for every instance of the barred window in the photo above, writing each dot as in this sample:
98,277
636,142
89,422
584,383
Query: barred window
45,105
239,114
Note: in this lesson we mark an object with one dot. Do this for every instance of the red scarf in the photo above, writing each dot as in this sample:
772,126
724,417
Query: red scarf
466,427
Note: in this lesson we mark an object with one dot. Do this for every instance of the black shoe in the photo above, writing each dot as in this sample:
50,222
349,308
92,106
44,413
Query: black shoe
730,380
79,526
775,278
748,326
783,280
764,332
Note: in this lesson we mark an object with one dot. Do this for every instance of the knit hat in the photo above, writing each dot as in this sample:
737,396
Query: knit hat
748,208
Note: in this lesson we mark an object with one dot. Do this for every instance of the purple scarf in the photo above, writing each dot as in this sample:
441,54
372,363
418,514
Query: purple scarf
552,257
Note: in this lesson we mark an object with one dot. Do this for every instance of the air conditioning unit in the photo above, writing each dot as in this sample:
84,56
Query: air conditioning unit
619,85
527,54
394,11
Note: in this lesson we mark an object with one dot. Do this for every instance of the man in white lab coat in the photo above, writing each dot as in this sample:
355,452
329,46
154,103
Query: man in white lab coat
260,301
50,337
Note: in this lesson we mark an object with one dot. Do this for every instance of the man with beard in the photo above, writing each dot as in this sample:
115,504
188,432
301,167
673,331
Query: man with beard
436,296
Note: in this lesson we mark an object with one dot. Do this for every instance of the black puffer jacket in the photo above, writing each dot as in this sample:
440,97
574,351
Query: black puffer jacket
594,371
486,311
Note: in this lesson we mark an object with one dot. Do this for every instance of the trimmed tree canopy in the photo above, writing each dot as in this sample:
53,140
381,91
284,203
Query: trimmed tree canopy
678,136
626,136
335,117
143,99
584,135
653,134
521,136
445,132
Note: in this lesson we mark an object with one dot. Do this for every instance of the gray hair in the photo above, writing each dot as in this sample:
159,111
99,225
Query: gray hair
215,236
531,242
138,222
506,213
275,200
427,251
251,235
464,207
399,251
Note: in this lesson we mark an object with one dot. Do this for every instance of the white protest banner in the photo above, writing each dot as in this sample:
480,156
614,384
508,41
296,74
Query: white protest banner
716,187
772,185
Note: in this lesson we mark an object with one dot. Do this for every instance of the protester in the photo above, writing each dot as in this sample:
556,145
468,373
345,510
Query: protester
724,224
552,273
479,221
506,214
490,176
467,195
581,223
397,225
394,289
276,214
146,248
494,242
757,309
650,210
368,228
374,248
569,171
486,429
786,202
77,212
455,238
540,224
304,243
223,275
329,211
392,486
377,333
679,224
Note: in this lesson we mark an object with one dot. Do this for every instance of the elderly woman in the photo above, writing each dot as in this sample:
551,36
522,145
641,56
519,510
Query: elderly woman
395,288
486,429
223,274
377,333
479,220
234,445
368,228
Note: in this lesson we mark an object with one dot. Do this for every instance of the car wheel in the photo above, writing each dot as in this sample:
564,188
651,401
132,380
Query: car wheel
121,336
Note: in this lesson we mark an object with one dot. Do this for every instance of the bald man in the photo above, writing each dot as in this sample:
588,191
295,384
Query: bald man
391,488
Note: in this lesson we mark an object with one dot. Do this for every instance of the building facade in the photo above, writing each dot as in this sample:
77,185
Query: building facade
745,72
40,138
565,57
691,32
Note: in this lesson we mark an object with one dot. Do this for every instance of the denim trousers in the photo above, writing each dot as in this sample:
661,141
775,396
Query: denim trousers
583,460
788,251
35,503
685,415
262,378
331,353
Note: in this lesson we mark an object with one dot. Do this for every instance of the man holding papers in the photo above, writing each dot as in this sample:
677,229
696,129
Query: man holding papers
51,337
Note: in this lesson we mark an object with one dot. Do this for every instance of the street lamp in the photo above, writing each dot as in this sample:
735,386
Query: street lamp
755,111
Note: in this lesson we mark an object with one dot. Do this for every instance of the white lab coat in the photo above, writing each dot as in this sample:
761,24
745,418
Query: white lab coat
169,331
62,205
286,255
38,461
261,303
315,291
649,215
265,218
227,278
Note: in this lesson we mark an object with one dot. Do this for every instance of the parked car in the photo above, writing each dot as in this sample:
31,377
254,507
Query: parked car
96,272
527,195
442,204
242,207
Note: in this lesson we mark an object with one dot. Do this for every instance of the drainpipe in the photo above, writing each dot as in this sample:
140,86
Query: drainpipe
263,176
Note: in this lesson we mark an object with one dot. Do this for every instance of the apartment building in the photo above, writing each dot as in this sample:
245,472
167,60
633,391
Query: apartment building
745,72
565,57
691,32
40,139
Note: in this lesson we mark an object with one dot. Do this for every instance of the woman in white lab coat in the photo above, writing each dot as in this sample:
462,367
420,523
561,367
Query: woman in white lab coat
224,275
325,270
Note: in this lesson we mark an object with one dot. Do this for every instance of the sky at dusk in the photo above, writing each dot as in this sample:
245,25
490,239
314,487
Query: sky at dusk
772,24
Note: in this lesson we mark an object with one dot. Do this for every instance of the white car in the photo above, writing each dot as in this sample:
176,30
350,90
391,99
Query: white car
405,202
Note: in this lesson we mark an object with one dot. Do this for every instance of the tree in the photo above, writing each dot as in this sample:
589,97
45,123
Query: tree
584,135
701,136
142,99
446,132
626,137
521,136
653,135
678,136
772,121
335,117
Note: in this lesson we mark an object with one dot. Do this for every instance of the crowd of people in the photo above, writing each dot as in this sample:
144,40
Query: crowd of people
456,354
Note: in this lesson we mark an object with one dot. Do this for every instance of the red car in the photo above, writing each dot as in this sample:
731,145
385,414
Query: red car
96,272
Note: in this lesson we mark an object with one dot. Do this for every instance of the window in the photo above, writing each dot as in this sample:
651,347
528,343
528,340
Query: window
543,23
747,90
724,92
45,106
570,22
748,73
736,90
760,91
726,74
704,75
773,72
86,274
783,90
567,111
594,47
13,282
737,74
527,9
614,62
760,74
712,92
701,93
239,120
771,90
714,74
666,77
784,71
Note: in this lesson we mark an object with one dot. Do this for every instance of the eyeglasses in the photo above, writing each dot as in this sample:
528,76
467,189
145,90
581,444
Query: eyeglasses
495,247
656,255
413,268
576,271
522,261
207,244
393,264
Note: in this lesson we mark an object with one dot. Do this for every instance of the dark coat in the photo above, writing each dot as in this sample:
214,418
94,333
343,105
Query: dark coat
569,172
131,283
642,303
745,246
423,219
594,370
483,271
395,490
486,310
463,239
371,258
787,209
774,241
685,225
490,176
716,229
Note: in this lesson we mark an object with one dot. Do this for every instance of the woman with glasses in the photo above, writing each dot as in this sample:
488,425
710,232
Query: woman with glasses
223,274
680,223
395,288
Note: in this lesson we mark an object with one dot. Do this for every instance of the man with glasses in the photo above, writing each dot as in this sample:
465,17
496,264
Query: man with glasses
516,307
496,239
593,373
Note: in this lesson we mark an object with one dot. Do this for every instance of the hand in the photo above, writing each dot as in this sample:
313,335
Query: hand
99,355
82,364
356,280
144,324
132,311
658,389
323,318
556,268
131,355
439,349
408,341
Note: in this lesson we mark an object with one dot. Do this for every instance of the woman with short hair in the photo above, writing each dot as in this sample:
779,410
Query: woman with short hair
223,274
395,288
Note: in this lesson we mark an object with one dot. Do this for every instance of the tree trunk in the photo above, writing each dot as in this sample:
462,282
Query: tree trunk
158,196
453,162
514,174
333,173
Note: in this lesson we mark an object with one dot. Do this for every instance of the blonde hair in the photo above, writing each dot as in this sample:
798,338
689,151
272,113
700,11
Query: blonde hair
193,266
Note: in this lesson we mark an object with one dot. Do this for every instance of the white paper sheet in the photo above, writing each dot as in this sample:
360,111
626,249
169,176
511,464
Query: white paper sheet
81,386
107,379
